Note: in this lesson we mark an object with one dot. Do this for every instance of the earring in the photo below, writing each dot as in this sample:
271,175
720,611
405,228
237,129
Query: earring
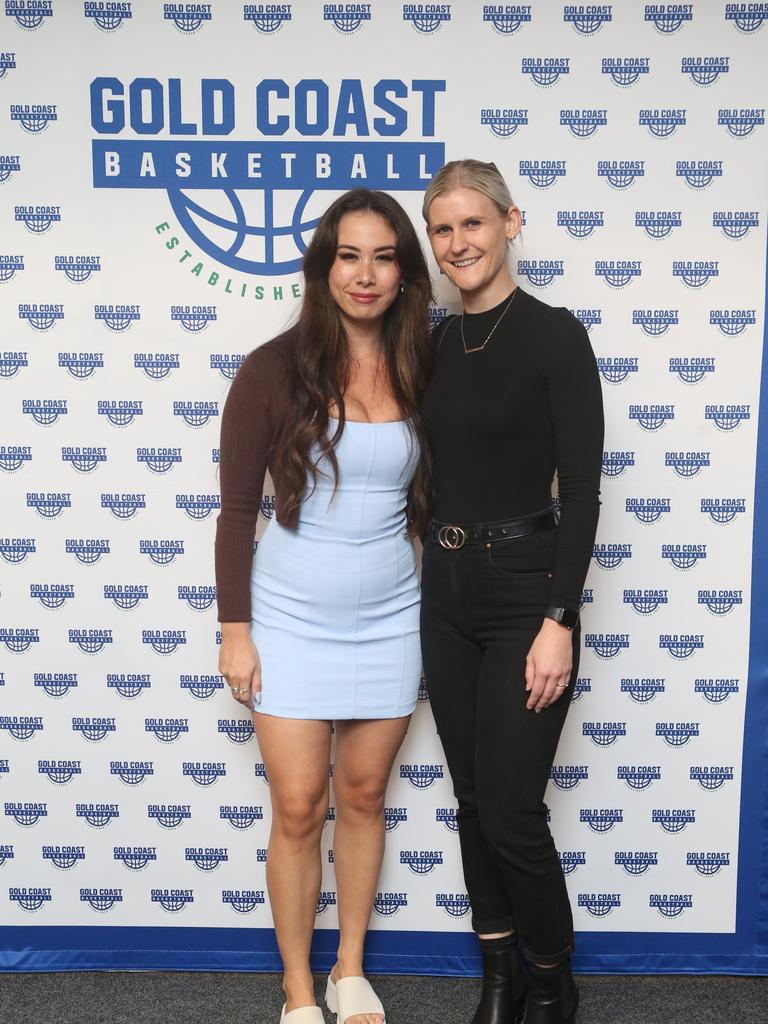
402,288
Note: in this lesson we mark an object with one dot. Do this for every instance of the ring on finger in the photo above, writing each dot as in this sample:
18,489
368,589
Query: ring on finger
561,686
239,690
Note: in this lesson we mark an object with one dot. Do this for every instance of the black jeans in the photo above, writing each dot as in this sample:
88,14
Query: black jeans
481,610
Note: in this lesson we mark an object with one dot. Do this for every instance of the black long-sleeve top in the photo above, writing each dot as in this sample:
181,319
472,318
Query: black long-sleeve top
501,422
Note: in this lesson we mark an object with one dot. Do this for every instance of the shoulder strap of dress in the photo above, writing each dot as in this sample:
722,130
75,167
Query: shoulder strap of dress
445,325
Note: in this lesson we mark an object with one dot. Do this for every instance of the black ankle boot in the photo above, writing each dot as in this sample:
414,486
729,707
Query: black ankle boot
504,982
552,995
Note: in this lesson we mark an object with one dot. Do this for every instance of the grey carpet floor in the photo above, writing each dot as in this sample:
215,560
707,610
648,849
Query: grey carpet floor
189,998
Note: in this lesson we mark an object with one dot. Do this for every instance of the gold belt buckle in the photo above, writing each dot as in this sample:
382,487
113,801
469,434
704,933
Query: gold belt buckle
451,537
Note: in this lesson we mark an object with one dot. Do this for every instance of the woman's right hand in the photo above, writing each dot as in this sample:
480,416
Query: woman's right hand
239,663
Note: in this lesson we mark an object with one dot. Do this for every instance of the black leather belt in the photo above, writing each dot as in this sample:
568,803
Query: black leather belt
454,536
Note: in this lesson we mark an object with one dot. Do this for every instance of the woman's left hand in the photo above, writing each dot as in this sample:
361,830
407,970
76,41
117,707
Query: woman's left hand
548,665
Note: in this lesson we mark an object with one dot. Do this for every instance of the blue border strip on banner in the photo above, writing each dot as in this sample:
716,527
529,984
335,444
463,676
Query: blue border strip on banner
45,948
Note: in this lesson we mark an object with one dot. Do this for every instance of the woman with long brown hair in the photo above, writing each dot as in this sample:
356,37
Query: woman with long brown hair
322,626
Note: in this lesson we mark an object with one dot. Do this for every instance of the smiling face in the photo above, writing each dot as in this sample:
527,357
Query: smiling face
364,278
469,237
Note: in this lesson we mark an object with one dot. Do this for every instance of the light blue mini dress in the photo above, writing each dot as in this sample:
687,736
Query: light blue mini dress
336,601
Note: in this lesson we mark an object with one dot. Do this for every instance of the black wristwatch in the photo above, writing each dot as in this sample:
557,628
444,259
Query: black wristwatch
564,616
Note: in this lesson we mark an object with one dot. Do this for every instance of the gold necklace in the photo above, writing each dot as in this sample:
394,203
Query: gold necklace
479,348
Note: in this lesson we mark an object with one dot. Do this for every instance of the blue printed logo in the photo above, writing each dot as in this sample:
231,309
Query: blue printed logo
454,904
187,17
505,122
108,15
542,173
711,777
395,816
135,858
647,601
421,776
267,18
588,317
723,510
31,898
687,464
446,816
599,904
41,316
540,273
172,900
691,369
169,815
625,71
421,862
601,820
587,18
201,686
648,510
242,816
26,814
736,224
651,417
668,18
34,118
673,821
705,71
52,595
243,901
97,815
684,556
606,645
14,456
29,14
658,224
37,219
616,463
708,864
84,458
681,645
204,773
741,121
721,602
93,728
9,265
81,365
238,730
8,165
747,17
326,898
347,18
426,18
159,460
199,598
638,776
616,369
117,318
194,319
546,71
642,690
604,734
60,772
120,412
699,174
49,504
636,862
87,551
670,905
63,857
727,417
611,556
156,365
387,904
661,123
572,860
507,18
206,858
44,411
56,684
166,730
132,773
227,365
568,776
7,63
583,123
732,322
162,552
125,596
18,640
581,223
129,684
164,641
196,414
621,174
677,734
618,273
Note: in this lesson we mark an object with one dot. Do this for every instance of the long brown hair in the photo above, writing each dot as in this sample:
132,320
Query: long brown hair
322,352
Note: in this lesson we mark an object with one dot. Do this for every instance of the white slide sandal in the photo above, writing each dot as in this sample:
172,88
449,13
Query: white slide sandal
304,1015
348,997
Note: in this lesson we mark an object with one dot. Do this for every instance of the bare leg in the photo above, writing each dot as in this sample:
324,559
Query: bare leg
365,751
296,754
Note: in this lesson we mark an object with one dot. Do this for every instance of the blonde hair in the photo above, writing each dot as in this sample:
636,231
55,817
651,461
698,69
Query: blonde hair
482,177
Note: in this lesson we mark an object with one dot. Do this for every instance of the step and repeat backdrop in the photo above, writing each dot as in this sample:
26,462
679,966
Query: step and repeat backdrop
162,166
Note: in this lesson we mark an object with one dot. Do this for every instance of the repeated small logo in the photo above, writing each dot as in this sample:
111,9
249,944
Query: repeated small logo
135,858
715,691
26,814
172,900
541,273
6,853
159,460
646,601
60,771
56,684
14,456
692,369
735,224
187,17
583,123
673,820
326,898
658,224
580,223
84,458
10,266
446,816
588,317
7,63
421,862
705,71
15,550
681,646
504,122
687,464
747,17
206,858
90,641
708,864
711,777
625,71
41,316
97,815
166,730
387,904
161,552
132,773
668,18
699,174
636,862
81,365
611,556
648,510
120,412
599,904
37,219
226,363
727,417
395,816
545,71
63,857
732,322
684,556
9,164
621,174
45,411
238,730
651,417
169,815
199,598
740,122
108,15
572,860
507,18
94,728
194,318
49,504
723,510
87,550
587,19
204,773
126,596
587,597
29,14
454,904
677,734
720,602
348,17
18,640
604,734
260,771
202,686
618,273
542,173
662,123
198,506
642,689
568,776
156,365
638,776
421,776
241,816
267,18
426,18
267,507
34,118
117,318
52,595
670,904
31,898
616,463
